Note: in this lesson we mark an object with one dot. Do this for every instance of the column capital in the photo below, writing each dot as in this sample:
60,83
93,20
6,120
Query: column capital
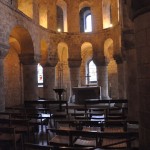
74,63
118,58
3,50
100,61
29,59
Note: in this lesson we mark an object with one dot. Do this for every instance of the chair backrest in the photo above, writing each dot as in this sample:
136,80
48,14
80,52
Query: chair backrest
10,132
115,124
116,138
83,134
5,118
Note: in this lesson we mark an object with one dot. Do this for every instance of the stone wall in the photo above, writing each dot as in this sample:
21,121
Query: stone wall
27,31
13,77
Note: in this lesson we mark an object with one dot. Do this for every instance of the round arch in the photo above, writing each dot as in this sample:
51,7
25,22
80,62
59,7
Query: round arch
16,68
86,55
21,46
24,38
84,4
62,4
112,68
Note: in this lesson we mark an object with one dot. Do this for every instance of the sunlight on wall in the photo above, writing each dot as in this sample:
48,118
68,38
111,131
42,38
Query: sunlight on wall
43,15
106,14
26,6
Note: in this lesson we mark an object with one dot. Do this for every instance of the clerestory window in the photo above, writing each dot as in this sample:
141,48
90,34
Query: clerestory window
91,73
40,75
85,20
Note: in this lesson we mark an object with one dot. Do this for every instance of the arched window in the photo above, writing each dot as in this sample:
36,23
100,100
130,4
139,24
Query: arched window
40,75
88,23
85,20
91,73
60,20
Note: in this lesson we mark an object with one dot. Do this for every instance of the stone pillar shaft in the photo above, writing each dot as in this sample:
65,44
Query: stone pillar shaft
102,78
36,11
73,16
51,19
3,53
121,81
75,76
132,85
97,16
49,82
142,35
30,82
2,92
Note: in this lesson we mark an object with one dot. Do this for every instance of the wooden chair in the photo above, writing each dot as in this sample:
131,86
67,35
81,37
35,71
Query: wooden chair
60,137
66,123
116,140
73,137
115,126
84,138
8,137
91,125
5,119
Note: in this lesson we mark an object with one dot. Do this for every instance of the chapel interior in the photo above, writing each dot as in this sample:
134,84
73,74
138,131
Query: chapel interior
74,50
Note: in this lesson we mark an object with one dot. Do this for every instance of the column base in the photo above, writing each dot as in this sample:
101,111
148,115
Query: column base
105,97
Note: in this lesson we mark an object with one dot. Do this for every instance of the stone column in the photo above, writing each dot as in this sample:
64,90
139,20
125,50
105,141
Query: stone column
97,15
49,77
36,11
29,77
73,16
74,66
102,75
132,86
114,12
3,53
121,77
48,82
102,78
51,15
141,16
129,50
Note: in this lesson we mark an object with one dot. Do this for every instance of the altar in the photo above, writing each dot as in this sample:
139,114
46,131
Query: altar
86,92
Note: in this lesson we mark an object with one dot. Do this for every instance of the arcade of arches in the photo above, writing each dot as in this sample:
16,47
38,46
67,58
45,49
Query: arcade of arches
56,35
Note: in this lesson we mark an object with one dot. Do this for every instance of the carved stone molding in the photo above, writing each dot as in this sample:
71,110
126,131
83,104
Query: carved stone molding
74,63
100,61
